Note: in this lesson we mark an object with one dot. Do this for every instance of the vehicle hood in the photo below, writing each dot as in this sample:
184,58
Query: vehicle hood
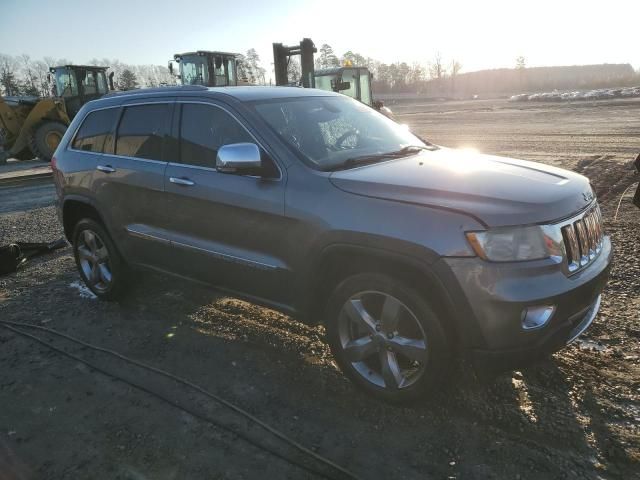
496,190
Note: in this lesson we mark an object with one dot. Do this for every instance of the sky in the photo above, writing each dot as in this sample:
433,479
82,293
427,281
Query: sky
478,34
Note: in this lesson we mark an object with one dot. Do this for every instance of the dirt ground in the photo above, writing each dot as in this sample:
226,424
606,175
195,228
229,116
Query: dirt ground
575,415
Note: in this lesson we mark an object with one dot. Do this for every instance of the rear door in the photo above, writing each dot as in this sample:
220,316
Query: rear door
129,181
227,229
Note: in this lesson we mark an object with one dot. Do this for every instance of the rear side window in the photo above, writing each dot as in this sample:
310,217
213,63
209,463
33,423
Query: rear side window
142,130
203,130
95,131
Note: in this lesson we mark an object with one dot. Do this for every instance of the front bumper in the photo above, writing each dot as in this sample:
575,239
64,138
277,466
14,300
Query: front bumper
497,295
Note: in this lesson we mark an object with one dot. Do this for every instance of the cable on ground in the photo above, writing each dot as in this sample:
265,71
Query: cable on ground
343,471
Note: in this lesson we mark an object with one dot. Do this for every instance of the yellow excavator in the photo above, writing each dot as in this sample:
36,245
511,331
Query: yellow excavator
33,126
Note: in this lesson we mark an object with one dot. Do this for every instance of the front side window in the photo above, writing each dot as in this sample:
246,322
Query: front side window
194,70
220,65
66,83
203,130
365,87
141,131
350,77
95,132
102,83
90,83
329,132
326,82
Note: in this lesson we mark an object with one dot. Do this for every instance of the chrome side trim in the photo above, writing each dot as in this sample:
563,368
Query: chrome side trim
586,322
147,160
145,235
227,257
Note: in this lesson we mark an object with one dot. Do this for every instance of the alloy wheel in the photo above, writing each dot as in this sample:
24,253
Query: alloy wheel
383,340
94,261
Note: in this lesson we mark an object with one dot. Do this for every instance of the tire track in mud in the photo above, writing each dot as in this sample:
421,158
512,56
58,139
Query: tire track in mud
609,175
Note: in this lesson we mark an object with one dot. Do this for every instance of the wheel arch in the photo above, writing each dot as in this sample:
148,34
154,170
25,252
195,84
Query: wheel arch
339,261
75,209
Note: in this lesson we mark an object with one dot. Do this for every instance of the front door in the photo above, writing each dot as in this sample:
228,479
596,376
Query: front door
226,229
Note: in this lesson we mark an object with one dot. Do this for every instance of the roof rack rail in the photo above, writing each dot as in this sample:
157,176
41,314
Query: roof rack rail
137,91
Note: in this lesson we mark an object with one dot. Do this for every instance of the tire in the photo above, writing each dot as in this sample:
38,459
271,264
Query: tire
99,263
386,337
46,138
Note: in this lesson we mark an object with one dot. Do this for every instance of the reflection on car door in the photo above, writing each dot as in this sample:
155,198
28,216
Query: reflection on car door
226,228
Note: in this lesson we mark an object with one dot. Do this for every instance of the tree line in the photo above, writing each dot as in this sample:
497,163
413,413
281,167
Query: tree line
435,77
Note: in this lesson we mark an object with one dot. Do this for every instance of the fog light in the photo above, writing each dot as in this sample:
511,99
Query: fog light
537,317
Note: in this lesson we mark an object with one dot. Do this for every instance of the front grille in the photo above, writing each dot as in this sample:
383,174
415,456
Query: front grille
583,237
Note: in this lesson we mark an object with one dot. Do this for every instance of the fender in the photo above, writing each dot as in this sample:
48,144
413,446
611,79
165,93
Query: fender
428,266
89,202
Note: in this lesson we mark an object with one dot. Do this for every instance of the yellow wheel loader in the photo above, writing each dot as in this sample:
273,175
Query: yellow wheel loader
33,126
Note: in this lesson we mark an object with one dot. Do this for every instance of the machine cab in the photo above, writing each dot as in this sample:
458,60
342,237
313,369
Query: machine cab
79,84
354,82
210,69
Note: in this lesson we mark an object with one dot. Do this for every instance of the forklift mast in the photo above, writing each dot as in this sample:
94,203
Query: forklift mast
281,56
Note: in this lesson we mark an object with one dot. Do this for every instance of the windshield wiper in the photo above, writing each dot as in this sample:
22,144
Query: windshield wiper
366,159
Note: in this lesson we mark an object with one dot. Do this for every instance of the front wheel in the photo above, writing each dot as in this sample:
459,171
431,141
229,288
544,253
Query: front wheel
386,338
46,138
99,263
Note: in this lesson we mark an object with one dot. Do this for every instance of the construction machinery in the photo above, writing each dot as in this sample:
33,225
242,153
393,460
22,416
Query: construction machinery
353,81
31,126
207,68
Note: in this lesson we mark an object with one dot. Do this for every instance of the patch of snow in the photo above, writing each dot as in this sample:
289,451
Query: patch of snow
83,289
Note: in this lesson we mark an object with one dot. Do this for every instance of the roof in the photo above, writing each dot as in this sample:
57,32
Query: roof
207,52
94,67
335,70
243,93
250,93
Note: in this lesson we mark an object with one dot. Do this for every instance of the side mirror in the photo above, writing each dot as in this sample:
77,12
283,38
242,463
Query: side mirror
238,158
170,67
111,87
49,77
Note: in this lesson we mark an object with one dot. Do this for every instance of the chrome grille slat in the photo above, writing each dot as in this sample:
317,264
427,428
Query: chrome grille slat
582,238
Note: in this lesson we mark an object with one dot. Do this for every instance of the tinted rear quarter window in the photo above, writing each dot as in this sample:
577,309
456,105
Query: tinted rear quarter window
141,131
95,132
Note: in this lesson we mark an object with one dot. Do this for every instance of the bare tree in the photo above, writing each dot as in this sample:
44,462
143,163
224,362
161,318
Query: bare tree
454,69
8,75
253,60
437,69
294,70
326,57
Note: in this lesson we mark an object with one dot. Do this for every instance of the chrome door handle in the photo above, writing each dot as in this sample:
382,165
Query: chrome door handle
181,181
106,168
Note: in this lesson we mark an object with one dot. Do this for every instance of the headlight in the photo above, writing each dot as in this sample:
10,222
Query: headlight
513,244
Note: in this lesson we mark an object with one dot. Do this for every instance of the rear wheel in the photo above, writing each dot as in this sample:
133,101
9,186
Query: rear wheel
386,337
46,138
99,263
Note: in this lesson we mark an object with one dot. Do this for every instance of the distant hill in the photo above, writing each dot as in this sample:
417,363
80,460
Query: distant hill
536,79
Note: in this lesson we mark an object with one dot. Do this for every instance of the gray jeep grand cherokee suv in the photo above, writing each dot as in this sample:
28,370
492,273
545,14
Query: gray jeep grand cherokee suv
314,204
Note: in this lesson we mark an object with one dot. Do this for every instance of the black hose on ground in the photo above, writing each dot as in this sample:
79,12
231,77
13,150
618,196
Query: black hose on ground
344,473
